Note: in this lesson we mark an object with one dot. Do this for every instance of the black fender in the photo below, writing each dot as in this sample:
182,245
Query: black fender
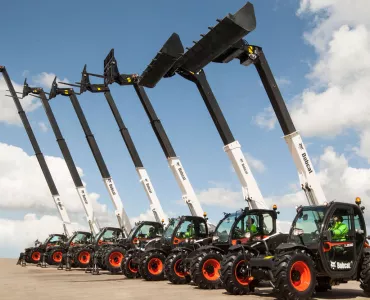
239,247
165,253
289,247
182,249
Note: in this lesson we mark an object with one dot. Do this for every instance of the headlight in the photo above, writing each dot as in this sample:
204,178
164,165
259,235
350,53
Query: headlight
248,235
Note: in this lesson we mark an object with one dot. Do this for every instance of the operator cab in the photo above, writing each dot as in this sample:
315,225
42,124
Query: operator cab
145,231
188,229
336,232
54,240
109,235
185,229
253,225
80,238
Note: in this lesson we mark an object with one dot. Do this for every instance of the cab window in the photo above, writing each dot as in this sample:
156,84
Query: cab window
149,231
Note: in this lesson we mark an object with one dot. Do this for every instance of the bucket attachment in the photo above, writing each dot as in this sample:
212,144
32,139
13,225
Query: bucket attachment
226,33
163,62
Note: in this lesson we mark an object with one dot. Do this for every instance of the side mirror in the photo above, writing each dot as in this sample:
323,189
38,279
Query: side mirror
327,235
368,237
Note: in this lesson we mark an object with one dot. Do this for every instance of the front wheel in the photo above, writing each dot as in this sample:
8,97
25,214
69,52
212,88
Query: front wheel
205,269
113,259
365,274
236,273
55,257
294,276
82,258
152,266
34,256
175,269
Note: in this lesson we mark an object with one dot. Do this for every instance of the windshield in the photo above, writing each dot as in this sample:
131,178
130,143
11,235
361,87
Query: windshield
223,229
307,225
148,231
133,230
109,235
170,228
55,239
81,238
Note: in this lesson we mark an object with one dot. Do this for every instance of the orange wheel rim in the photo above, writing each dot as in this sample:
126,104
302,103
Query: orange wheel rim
57,256
36,256
211,269
241,273
84,257
300,276
155,266
115,259
132,267
179,269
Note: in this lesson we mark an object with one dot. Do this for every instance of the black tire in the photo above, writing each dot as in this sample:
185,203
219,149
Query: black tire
27,257
55,257
113,259
129,269
323,284
152,265
205,269
82,258
365,274
233,273
174,269
31,257
294,276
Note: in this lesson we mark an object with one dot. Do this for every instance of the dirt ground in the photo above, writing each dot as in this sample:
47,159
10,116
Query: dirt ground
34,283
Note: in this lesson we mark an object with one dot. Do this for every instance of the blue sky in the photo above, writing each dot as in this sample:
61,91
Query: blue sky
41,36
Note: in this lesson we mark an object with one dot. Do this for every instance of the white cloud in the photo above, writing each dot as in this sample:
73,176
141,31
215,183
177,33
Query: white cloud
43,126
265,119
338,98
281,81
15,235
8,110
45,80
23,185
146,216
222,197
256,164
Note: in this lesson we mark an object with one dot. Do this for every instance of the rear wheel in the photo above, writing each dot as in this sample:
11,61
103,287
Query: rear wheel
175,269
34,256
205,269
129,268
365,274
236,273
152,266
294,276
113,260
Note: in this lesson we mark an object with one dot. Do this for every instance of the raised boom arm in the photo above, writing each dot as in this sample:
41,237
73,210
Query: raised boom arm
81,190
234,47
123,220
112,75
160,67
40,157
155,205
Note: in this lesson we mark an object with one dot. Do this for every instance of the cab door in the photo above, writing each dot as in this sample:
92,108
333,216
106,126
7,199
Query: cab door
338,253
